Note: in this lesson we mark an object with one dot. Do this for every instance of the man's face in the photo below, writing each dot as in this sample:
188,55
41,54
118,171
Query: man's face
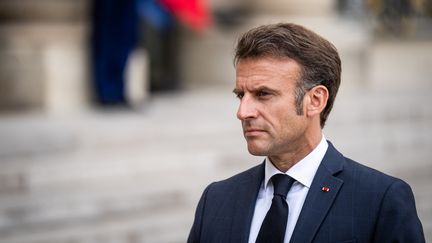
265,87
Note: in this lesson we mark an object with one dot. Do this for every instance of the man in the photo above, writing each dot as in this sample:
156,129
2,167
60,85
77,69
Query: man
287,78
115,32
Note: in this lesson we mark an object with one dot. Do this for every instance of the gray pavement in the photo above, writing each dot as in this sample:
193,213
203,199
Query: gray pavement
136,176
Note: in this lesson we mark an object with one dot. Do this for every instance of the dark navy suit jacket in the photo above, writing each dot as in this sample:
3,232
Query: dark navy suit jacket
362,205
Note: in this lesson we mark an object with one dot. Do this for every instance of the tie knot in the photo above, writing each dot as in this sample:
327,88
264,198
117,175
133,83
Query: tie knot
281,184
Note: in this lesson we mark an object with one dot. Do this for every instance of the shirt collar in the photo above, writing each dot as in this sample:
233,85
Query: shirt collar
304,170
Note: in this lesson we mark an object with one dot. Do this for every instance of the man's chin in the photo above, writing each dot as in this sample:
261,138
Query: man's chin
257,151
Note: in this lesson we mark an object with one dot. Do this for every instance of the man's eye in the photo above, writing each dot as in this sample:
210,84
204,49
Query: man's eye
262,93
239,95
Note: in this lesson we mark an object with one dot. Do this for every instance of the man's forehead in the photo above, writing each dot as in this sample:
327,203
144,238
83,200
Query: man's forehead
262,67
271,74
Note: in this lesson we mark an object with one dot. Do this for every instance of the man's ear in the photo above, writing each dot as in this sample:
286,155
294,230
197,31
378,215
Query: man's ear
317,100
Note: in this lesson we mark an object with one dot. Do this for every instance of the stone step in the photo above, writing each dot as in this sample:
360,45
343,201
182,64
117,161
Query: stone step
169,226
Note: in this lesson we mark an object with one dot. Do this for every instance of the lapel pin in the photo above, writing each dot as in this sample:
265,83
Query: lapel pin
325,189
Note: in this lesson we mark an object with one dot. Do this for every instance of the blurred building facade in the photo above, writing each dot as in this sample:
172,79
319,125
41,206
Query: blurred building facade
45,46
44,64
71,173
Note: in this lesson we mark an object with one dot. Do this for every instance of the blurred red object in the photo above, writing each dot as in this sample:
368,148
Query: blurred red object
193,13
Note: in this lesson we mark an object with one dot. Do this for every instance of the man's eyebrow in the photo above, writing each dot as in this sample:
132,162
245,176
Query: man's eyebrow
265,88
258,88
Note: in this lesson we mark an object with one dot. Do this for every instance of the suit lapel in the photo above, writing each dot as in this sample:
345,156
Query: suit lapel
318,201
246,194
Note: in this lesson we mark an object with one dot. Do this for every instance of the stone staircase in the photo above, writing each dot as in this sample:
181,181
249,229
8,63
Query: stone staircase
136,176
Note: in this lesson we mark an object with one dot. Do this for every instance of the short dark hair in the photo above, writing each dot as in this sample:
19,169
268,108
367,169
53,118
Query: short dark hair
317,57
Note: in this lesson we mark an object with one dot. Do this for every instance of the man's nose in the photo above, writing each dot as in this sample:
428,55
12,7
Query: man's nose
247,109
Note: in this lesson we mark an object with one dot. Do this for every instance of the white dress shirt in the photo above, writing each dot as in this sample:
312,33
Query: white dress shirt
303,172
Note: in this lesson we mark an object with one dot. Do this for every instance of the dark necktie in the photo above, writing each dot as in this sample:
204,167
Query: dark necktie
274,224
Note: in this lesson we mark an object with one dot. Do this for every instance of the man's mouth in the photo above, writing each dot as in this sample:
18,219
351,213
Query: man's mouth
250,132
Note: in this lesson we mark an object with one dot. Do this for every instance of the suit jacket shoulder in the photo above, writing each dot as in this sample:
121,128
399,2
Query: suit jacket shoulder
229,184
362,205
225,210
391,202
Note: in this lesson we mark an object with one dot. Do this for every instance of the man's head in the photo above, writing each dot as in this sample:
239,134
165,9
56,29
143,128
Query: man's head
286,79
318,58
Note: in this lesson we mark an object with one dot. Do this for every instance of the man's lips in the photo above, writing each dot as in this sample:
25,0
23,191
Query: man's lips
253,132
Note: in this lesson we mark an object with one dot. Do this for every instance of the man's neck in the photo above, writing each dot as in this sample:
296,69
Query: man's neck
287,160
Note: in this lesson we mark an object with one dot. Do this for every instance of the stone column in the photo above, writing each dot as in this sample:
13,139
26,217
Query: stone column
43,55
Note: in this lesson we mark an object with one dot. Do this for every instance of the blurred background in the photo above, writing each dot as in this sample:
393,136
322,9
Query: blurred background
115,114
